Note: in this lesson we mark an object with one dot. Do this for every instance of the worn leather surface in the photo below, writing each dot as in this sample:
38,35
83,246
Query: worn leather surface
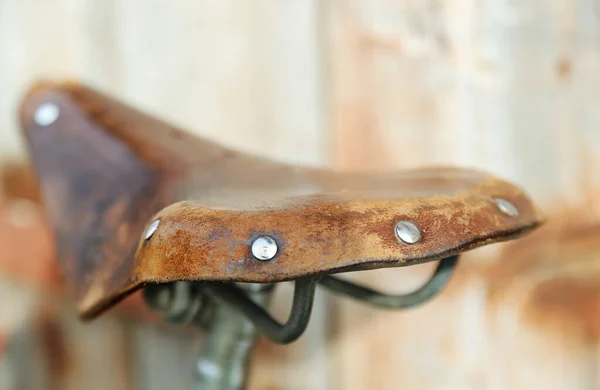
107,171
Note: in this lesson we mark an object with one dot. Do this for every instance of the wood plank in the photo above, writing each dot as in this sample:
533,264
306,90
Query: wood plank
244,74
509,88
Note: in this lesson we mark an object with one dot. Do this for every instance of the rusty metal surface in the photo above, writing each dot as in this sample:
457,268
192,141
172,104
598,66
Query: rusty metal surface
107,171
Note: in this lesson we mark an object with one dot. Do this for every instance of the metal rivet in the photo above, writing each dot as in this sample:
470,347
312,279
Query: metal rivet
264,248
408,232
46,114
152,229
506,207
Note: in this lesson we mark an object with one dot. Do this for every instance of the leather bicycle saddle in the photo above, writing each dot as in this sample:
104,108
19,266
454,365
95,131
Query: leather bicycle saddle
135,201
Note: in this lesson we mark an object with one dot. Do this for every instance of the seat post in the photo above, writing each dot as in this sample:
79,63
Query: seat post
230,335
230,339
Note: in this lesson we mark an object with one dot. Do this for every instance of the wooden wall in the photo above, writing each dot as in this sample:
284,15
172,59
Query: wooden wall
510,87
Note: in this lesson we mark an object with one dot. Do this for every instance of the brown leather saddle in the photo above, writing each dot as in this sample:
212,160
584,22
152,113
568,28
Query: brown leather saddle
135,201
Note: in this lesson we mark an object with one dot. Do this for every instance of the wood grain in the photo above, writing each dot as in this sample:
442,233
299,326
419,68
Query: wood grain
508,87
250,76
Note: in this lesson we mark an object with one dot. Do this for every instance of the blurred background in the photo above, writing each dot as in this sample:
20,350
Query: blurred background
511,87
